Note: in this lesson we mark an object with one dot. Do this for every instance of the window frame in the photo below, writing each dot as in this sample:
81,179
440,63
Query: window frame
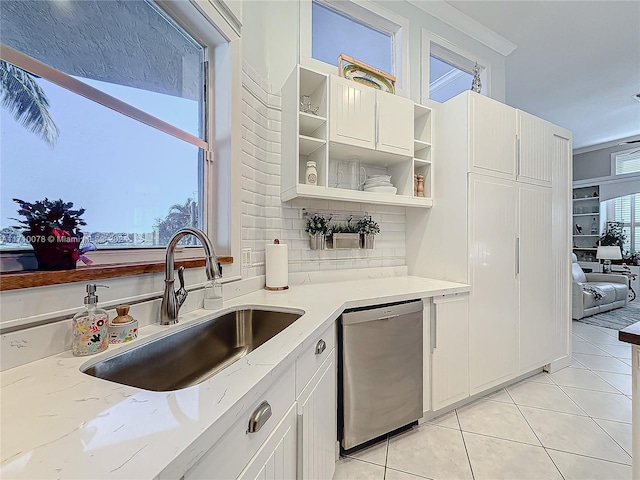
614,162
222,56
432,44
632,224
369,14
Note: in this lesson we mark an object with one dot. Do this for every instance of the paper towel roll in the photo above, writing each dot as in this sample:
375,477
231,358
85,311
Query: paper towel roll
277,266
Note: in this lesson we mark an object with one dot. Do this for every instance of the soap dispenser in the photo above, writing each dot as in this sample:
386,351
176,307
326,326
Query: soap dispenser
90,326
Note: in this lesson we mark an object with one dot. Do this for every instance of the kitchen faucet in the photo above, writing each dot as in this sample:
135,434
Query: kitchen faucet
172,300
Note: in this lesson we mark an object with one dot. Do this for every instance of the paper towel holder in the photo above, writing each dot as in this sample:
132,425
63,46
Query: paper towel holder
276,289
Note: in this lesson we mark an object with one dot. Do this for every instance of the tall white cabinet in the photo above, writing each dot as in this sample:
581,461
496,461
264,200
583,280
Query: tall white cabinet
502,183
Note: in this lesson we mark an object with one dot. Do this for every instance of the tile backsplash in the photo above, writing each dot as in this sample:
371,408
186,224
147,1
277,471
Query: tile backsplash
265,217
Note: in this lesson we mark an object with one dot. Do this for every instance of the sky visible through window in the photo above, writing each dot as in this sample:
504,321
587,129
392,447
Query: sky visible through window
124,173
446,81
333,34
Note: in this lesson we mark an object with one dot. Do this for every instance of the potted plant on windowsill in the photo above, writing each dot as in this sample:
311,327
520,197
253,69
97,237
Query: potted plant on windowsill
368,229
51,227
317,227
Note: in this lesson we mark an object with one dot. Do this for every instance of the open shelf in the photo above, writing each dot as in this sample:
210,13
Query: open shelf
585,199
308,145
310,191
309,123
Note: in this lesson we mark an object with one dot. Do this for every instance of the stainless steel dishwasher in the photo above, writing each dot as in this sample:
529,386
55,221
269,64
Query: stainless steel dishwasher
380,371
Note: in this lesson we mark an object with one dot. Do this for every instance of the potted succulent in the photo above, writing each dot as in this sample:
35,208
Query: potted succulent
51,227
368,229
317,228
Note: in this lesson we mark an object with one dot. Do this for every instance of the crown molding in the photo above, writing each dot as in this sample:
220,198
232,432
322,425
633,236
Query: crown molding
467,25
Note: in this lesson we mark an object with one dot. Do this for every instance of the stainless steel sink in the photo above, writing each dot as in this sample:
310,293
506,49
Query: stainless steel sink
193,354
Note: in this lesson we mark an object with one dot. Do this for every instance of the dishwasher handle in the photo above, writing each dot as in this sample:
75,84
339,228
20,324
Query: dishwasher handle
381,313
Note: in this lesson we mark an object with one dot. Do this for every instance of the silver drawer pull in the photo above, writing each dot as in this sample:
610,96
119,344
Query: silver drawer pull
259,417
320,347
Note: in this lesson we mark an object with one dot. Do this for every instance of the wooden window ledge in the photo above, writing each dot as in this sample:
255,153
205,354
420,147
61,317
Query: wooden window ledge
37,278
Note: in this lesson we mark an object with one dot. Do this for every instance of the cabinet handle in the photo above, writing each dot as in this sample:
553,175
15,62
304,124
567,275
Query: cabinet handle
320,347
259,417
517,256
517,156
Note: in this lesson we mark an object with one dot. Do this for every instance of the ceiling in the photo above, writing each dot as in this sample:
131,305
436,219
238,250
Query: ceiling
577,63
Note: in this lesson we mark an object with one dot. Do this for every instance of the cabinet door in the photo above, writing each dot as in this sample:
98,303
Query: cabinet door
535,149
493,302
317,423
395,124
276,459
352,113
535,277
492,137
450,350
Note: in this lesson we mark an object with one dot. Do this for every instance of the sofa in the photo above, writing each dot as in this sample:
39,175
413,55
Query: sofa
611,291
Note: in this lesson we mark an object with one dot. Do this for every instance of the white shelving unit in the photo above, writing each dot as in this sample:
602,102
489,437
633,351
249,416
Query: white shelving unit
586,215
343,165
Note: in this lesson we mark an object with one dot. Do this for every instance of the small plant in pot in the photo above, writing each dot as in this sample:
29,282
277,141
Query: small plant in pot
368,229
317,228
51,227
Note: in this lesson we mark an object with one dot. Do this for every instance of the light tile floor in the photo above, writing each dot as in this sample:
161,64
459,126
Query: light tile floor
574,424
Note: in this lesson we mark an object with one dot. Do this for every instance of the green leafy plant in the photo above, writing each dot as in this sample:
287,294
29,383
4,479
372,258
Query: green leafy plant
367,226
317,224
347,227
179,216
614,235
46,217
27,102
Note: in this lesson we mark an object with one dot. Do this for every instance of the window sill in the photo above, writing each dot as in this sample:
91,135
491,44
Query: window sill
29,279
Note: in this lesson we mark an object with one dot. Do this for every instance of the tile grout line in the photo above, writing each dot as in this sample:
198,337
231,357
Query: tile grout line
536,435
465,446
589,456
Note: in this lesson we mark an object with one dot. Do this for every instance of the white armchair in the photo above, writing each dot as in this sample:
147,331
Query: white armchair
613,288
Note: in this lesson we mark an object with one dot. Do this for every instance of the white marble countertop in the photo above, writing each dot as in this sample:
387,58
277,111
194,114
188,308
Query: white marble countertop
58,422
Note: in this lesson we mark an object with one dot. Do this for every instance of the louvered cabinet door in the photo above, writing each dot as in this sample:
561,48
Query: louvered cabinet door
535,277
317,424
535,150
276,459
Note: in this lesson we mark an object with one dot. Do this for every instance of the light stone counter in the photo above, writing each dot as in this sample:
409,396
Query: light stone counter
57,422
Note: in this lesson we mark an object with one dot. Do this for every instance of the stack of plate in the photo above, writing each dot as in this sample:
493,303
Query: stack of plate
380,184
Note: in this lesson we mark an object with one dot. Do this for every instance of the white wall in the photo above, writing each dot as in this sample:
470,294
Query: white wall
271,37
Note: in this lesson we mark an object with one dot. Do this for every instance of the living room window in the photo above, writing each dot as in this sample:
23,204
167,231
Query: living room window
626,210
359,29
109,111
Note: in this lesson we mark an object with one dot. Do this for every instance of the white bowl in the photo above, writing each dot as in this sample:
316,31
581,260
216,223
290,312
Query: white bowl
385,189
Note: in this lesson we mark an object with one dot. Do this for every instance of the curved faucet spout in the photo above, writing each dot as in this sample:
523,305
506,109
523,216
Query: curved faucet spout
172,300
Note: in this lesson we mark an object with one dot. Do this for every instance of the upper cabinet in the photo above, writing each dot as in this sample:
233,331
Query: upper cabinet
354,132
363,117
535,149
509,143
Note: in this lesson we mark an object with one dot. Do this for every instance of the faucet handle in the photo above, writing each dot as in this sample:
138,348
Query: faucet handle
181,294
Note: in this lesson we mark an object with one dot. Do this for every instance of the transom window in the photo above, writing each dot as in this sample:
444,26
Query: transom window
335,33
113,118
450,74
627,162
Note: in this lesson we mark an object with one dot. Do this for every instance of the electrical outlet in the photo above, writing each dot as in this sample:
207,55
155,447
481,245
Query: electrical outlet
246,257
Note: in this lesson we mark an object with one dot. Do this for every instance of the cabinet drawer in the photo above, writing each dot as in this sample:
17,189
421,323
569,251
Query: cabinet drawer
310,360
233,451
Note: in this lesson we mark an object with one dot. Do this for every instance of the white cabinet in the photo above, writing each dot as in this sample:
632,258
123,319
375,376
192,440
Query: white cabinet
356,131
492,137
535,149
395,124
502,230
317,420
449,350
493,311
276,459
353,113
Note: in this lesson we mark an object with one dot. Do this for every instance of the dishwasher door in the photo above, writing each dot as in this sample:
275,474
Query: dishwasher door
381,366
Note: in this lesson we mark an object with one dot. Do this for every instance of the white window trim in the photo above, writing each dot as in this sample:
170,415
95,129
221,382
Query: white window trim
371,14
197,19
459,58
632,224
619,153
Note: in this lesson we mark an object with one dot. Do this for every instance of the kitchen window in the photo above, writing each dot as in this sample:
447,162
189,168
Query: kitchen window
359,29
119,124
626,162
